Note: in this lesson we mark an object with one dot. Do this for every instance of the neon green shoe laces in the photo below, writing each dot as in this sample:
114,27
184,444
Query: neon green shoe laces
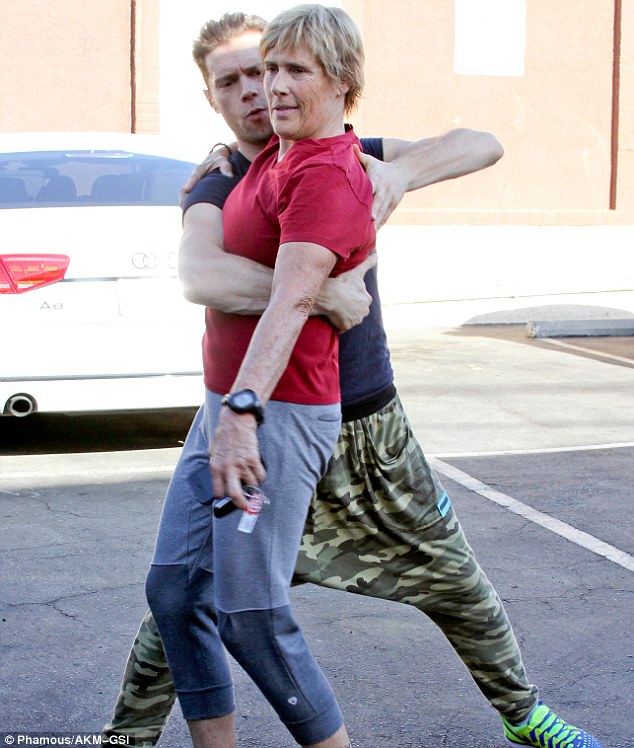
544,729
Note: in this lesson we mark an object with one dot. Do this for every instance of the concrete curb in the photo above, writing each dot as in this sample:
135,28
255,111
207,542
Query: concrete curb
580,328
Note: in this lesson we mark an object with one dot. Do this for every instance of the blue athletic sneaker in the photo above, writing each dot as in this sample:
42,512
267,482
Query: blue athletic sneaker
544,729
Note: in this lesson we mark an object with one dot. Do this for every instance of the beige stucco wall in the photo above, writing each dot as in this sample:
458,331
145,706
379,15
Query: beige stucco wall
65,65
555,121
147,68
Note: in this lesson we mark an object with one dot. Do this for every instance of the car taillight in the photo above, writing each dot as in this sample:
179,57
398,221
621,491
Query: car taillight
20,273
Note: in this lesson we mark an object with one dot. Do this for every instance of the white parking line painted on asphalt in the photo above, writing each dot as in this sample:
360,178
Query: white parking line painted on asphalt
540,451
580,538
593,351
94,472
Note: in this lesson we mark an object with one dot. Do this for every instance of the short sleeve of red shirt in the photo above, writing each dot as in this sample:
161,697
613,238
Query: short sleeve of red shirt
321,205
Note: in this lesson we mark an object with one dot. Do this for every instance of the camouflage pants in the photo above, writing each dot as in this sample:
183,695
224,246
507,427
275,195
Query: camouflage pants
381,525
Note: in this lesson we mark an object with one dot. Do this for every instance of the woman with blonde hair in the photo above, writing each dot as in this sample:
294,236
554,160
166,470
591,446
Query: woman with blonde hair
272,395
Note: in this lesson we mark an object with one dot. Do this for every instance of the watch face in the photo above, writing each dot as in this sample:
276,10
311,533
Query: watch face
243,399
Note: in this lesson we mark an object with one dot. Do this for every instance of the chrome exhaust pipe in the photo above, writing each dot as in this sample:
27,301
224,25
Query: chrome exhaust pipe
20,405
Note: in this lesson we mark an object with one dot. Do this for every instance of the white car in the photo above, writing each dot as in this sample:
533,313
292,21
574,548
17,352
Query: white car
91,310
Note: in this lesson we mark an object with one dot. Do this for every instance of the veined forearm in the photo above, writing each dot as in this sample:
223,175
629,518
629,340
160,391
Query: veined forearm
214,278
299,274
270,349
227,283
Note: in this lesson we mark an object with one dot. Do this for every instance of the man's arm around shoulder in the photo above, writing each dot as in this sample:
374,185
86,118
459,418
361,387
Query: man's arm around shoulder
409,165
211,276
454,154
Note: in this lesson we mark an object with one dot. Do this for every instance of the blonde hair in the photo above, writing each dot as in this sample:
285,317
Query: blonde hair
215,33
332,37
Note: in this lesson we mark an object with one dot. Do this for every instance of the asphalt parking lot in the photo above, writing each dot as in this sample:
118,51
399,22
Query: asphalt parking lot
534,440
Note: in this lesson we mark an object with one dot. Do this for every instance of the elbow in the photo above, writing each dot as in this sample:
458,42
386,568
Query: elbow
486,148
192,295
187,287
191,287
296,308
187,278
492,149
497,151
194,281
304,306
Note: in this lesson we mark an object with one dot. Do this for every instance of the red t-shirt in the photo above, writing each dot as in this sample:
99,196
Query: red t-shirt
317,193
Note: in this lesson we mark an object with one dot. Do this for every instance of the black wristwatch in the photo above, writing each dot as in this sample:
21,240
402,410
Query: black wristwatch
245,401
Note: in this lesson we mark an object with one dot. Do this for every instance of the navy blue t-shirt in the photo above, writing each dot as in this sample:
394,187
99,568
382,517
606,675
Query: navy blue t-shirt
365,371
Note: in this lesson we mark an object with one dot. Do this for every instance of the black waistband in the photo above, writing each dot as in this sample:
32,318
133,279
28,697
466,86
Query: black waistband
369,406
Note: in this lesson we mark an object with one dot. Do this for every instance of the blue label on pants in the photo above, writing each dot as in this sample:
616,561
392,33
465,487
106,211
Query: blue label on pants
444,504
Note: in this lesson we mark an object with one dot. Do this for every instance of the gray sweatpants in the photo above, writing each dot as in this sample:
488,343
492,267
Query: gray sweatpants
210,584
